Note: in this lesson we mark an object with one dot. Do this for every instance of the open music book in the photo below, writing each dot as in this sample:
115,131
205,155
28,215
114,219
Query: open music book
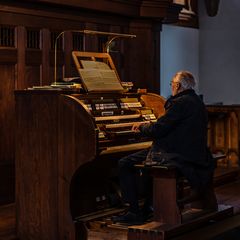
97,76
97,72
87,64
103,80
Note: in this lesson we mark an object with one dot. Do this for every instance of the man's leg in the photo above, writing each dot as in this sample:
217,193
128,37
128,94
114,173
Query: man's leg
127,178
129,188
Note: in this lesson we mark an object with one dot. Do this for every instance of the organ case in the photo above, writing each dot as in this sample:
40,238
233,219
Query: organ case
67,149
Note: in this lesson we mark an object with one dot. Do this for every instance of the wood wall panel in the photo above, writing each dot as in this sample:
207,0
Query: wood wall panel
32,76
8,56
56,18
7,123
7,85
142,64
224,132
33,57
40,134
21,44
90,41
68,46
45,67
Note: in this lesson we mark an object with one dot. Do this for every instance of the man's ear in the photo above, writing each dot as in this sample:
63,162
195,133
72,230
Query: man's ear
178,85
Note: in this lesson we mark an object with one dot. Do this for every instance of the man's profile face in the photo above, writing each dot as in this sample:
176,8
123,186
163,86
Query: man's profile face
175,86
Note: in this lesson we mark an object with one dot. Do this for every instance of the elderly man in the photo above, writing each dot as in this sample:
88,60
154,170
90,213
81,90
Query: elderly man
179,138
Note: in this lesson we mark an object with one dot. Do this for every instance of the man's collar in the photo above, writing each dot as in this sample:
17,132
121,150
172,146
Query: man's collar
185,92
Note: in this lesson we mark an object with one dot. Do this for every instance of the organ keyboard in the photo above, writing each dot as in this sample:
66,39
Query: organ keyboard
114,117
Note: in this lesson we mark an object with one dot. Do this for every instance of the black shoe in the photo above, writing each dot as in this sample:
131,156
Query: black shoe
129,218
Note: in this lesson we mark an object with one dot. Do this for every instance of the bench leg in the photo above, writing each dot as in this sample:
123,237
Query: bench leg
165,197
208,200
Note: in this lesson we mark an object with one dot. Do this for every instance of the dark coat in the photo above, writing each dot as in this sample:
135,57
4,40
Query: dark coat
180,137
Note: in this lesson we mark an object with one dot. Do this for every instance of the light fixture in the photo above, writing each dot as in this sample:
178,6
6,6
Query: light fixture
114,36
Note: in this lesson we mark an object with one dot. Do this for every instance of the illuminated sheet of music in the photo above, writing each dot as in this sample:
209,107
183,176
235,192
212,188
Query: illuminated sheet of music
100,80
94,65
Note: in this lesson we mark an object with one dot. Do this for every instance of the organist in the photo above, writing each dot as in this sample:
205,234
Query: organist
179,138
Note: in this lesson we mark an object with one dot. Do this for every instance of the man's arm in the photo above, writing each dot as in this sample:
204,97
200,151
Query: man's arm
164,124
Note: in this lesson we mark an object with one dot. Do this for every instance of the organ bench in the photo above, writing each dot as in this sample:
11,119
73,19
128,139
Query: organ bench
171,218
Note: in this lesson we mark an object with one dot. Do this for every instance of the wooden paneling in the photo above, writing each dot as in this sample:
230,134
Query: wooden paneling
142,62
68,47
8,222
7,184
21,43
32,76
8,56
49,132
7,86
37,129
132,8
7,123
33,57
45,67
224,132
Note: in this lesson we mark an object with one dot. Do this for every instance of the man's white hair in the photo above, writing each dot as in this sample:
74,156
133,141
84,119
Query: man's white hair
186,79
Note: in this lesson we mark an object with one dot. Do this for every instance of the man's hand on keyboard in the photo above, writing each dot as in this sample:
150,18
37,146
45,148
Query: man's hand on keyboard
135,126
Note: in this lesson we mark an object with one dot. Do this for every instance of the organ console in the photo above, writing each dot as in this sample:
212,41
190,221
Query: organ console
67,147
67,150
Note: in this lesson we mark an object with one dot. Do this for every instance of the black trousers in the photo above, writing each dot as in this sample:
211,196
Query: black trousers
128,176
198,177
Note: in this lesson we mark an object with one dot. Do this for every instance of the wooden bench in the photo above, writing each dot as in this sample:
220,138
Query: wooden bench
169,217
168,191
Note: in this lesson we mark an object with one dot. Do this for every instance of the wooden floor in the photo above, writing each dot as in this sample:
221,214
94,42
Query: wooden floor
228,194
7,222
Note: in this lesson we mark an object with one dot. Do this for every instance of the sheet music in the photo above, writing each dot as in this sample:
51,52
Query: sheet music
94,65
100,80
